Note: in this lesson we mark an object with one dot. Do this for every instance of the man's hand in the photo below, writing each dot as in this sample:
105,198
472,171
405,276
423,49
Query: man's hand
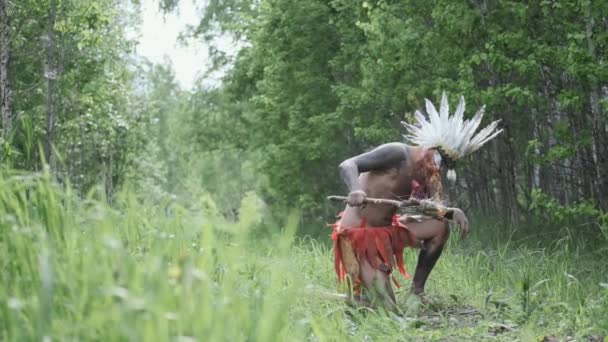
356,198
460,219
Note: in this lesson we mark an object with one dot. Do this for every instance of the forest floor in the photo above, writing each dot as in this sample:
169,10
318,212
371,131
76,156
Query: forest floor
77,269
495,292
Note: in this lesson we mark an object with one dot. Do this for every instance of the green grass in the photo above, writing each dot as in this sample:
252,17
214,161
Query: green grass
78,269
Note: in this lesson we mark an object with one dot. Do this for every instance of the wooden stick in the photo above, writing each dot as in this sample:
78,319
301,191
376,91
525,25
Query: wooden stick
368,200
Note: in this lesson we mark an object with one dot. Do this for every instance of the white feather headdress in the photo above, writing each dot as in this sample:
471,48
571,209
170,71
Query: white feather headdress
454,137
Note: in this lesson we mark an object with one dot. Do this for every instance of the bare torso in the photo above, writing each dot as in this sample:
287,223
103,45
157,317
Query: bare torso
394,171
391,183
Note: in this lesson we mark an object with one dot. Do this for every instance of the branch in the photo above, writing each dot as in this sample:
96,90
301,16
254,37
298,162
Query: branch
399,204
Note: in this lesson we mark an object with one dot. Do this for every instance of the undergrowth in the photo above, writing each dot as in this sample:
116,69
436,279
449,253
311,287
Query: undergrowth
78,269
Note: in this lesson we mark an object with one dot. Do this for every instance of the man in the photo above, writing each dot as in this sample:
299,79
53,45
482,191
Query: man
369,238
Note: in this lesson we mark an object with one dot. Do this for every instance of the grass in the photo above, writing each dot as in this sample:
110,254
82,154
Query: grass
79,269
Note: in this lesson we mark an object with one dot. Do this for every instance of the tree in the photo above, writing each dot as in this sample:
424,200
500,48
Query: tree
323,80
5,89
71,73
51,73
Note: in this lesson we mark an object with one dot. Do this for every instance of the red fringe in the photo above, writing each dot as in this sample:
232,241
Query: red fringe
374,244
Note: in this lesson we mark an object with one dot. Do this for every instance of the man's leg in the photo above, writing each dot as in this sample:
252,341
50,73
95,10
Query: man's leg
350,263
434,234
376,283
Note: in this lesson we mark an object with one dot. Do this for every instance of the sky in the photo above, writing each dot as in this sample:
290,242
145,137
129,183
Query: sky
158,40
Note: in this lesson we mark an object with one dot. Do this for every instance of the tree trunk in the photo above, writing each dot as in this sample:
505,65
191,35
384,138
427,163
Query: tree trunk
506,174
600,138
50,73
5,90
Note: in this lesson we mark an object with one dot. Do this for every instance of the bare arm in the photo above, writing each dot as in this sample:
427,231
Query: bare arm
460,219
382,157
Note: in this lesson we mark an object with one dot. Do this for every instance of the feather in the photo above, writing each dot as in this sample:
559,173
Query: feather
437,158
457,138
444,108
452,175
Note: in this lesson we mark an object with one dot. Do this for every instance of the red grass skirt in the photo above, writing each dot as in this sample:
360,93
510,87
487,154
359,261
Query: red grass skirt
381,247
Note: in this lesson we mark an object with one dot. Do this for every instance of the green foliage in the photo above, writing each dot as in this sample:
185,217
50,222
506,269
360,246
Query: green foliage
185,148
320,81
584,213
96,130
171,215
77,268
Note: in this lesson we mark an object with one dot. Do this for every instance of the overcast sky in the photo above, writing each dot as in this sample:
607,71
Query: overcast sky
159,39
